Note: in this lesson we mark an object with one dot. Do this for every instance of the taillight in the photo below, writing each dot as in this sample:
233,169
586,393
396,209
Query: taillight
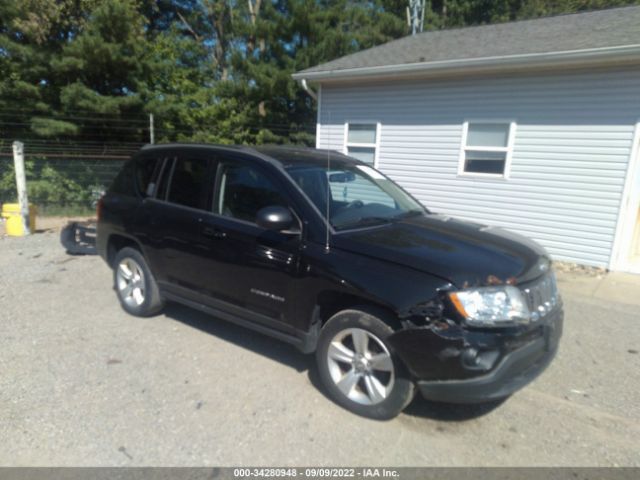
99,206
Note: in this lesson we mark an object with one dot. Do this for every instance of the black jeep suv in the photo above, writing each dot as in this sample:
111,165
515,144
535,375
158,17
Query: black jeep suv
324,252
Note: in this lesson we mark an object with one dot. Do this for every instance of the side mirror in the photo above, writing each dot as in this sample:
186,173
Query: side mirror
275,218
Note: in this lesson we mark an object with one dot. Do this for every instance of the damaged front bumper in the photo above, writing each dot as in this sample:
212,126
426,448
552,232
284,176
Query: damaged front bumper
457,365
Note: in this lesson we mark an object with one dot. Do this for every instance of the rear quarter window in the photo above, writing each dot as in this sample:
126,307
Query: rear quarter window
123,183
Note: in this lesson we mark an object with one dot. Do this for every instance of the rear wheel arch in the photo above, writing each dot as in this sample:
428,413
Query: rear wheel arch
117,242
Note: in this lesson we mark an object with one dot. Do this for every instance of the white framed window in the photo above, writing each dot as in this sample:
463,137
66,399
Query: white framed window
362,141
487,147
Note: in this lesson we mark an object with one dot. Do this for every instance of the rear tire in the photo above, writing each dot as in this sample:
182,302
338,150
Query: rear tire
359,369
135,285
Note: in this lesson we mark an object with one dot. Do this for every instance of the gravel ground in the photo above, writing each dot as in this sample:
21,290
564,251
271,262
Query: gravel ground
84,384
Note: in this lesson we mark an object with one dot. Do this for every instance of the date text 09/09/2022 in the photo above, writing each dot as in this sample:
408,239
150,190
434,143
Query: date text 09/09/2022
315,472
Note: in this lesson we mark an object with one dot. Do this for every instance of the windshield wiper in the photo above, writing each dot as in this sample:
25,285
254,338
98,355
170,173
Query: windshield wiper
365,221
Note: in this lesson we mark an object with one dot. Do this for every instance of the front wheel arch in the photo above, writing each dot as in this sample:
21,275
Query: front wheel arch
330,302
400,386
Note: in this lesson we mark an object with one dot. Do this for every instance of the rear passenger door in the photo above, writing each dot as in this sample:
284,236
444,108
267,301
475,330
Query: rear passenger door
173,218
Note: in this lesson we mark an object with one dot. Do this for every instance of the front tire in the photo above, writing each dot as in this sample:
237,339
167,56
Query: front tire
359,369
135,285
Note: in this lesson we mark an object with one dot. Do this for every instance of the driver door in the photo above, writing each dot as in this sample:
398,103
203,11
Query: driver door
252,270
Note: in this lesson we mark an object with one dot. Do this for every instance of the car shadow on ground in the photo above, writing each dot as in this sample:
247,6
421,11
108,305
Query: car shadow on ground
240,336
449,412
290,356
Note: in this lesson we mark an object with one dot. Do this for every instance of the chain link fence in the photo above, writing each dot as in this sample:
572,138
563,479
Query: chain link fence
67,175
61,184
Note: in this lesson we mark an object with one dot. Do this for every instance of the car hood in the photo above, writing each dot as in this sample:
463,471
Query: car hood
464,253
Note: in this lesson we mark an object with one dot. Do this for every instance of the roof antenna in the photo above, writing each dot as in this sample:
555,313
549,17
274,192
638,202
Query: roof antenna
326,245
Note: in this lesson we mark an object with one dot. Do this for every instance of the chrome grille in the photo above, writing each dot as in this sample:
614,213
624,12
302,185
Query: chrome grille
541,296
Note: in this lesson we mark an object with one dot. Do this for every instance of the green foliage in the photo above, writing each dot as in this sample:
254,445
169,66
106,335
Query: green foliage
45,185
49,186
105,67
50,127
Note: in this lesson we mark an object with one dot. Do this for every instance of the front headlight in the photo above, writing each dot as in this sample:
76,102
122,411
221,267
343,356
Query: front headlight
491,306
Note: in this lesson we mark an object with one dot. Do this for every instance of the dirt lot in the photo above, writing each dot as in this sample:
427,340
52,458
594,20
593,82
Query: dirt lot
83,383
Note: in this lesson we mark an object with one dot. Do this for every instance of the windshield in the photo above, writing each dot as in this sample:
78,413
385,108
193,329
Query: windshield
358,194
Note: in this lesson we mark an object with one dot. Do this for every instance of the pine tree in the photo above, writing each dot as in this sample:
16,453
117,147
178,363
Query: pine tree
103,69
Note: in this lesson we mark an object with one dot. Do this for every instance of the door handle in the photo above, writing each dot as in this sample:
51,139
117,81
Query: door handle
213,232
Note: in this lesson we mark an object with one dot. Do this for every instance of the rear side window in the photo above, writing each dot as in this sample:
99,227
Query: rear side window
243,190
146,174
163,180
189,183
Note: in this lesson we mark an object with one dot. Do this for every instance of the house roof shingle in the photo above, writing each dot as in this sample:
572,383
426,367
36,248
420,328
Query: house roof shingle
591,31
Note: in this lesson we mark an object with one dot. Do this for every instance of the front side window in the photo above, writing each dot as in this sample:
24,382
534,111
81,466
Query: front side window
243,190
361,141
486,148
189,182
358,195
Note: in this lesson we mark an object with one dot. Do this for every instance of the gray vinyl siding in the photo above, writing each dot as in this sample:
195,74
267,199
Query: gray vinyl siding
572,147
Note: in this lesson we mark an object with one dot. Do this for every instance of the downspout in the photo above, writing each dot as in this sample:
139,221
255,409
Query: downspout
307,88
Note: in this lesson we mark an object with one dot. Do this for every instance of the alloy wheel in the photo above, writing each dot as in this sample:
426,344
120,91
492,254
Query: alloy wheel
361,366
130,282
